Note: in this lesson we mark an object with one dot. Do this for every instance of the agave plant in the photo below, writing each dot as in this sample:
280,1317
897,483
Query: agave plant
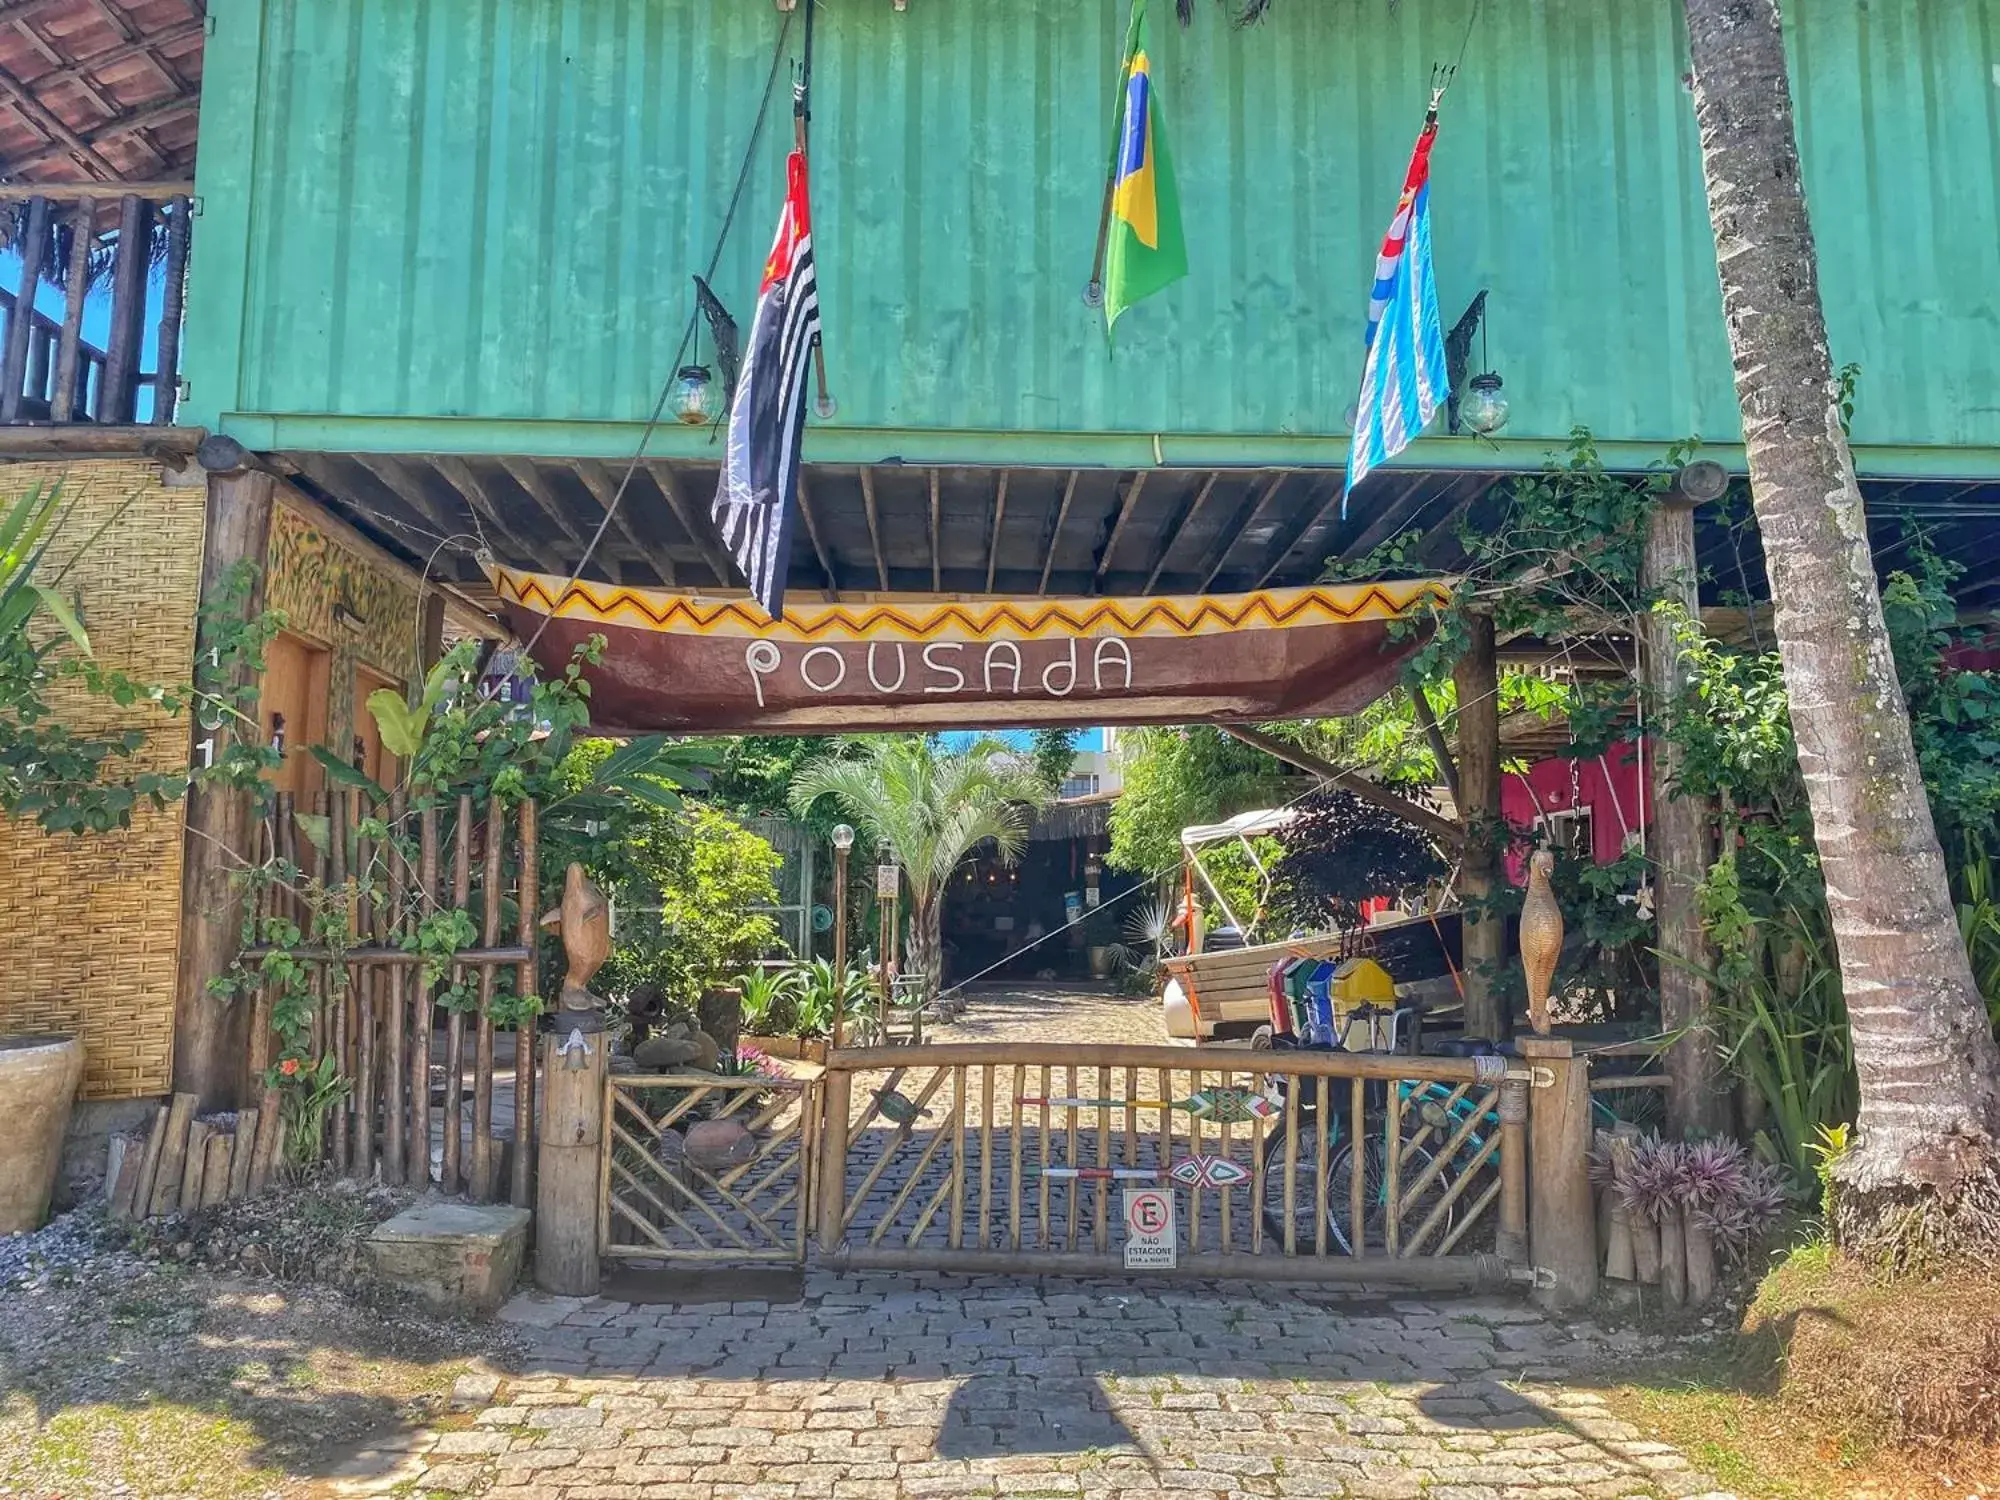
770,999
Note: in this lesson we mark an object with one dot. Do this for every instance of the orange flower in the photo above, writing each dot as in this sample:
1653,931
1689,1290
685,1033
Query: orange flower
289,1067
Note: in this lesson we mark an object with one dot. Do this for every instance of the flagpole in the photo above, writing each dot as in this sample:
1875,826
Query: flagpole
801,117
1093,292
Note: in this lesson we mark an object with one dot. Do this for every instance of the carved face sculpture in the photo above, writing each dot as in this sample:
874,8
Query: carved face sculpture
584,920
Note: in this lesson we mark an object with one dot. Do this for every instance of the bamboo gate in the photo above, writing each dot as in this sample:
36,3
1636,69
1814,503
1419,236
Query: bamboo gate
400,1056
1014,1159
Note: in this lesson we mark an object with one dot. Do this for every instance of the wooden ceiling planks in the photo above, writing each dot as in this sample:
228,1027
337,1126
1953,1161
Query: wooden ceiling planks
100,90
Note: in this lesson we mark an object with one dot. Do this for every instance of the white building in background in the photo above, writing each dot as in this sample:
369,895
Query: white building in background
1095,771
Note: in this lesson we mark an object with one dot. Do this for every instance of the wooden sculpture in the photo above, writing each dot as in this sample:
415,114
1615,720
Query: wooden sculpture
584,920
1541,937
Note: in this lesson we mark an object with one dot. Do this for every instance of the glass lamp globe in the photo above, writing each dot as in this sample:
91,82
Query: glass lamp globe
1484,408
692,399
843,837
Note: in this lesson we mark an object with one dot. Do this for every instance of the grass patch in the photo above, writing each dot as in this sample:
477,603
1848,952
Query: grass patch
1839,1383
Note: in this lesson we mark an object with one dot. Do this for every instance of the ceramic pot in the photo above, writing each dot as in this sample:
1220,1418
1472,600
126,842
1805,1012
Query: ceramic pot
38,1078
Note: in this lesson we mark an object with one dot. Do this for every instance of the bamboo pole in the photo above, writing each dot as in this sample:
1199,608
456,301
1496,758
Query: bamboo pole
1357,1194
1042,1238
339,1117
128,303
1074,1187
394,1053
1292,1171
1512,1242
1103,1159
986,1157
1226,1197
482,1063
957,1233
529,898
364,1060
454,1044
422,1008
1194,1149
1392,1150
1362,1065
1016,1138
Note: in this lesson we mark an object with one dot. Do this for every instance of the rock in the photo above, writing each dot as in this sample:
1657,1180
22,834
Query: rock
707,1052
671,1049
463,1257
717,1145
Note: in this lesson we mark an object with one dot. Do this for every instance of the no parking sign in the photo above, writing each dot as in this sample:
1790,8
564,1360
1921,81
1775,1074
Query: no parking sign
1151,1240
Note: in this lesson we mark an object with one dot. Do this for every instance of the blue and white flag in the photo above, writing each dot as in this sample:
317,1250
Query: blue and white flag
1403,382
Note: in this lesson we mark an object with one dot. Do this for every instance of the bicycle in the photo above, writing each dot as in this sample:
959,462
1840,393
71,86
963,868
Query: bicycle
1327,1153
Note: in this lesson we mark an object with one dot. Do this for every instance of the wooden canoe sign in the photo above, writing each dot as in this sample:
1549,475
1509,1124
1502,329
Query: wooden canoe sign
713,663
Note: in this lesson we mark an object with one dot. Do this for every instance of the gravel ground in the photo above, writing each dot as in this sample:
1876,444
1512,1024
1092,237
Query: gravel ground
225,1355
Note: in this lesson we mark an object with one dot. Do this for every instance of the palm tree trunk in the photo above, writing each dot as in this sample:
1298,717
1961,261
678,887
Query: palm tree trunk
927,942
1926,1059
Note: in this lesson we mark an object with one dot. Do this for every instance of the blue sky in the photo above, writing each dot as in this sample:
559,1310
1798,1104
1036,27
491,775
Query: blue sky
97,315
957,739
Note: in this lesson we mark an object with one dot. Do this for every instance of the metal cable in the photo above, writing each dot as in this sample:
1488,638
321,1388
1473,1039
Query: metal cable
667,386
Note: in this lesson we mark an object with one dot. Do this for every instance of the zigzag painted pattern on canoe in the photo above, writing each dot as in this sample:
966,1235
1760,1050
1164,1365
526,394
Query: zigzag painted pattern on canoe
1271,609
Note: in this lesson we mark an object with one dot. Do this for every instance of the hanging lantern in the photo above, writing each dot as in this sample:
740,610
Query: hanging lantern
692,398
1484,408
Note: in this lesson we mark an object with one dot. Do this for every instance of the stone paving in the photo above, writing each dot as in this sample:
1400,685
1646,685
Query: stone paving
895,1388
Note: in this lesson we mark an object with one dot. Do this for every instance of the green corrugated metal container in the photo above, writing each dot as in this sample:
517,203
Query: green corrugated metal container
451,209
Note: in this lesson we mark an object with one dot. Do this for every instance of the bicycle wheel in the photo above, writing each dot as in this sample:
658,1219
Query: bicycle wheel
1374,1167
1309,1169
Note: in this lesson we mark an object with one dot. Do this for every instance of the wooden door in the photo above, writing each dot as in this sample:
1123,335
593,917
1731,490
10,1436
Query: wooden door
291,709
367,752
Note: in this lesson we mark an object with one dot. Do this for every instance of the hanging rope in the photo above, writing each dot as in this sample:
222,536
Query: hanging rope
687,336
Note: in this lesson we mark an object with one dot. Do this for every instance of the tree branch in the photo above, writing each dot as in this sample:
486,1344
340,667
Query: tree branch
1440,828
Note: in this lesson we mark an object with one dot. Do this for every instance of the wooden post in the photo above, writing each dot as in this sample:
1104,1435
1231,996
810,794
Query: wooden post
166,382
14,364
128,307
566,1249
1683,834
1511,1245
830,1182
211,1035
1477,679
1562,1214
62,397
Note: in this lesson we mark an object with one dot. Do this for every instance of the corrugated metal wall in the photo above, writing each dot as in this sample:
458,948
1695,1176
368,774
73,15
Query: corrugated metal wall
491,208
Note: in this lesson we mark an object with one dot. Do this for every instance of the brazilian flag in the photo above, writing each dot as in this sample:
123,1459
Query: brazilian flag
1145,251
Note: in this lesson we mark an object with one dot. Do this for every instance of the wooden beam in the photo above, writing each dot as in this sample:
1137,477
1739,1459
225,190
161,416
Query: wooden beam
999,516
1127,503
87,141
1392,518
937,573
597,480
62,400
1055,537
1683,835
1328,507
615,515
405,488
874,527
458,474
14,363
128,307
524,473
211,1039
1174,531
72,191
1436,825
832,589
92,440
50,124
1229,543
701,533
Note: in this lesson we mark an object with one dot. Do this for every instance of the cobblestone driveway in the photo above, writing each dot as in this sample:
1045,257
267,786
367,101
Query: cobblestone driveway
894,1388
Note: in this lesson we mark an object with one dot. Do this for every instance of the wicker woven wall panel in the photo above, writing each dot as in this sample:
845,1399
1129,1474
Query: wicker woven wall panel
93,923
